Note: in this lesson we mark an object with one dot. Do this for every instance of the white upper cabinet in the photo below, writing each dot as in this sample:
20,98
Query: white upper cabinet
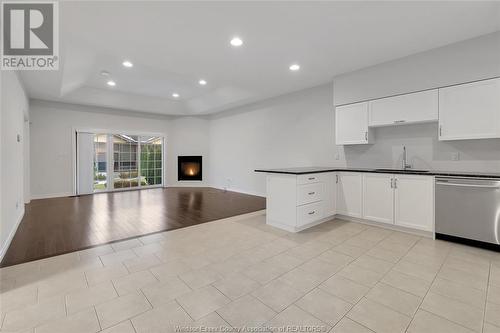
349,194
470,111
404,109
351,124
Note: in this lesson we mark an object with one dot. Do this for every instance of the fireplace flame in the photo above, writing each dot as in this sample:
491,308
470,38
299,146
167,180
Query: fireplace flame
190,172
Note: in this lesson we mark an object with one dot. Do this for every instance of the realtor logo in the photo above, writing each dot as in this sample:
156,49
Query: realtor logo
30,36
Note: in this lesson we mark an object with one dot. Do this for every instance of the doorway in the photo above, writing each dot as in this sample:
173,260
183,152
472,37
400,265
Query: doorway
114,162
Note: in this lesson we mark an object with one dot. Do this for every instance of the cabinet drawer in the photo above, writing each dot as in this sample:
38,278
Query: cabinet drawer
310,178
308,193
309,213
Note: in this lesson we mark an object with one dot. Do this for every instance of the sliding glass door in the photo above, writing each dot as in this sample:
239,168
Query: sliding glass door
118,162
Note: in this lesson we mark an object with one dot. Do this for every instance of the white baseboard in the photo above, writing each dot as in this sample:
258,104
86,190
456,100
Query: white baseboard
386,226
239,191
5,247
52,195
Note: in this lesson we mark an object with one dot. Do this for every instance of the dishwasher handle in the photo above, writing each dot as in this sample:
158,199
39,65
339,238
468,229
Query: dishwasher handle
467,185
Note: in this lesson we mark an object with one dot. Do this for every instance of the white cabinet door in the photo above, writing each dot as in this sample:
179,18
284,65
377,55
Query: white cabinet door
378,197
351,124
330,197
404,109
414,202
349,194
470,111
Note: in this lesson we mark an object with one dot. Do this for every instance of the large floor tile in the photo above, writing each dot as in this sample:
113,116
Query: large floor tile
456,311
165,291
123,327
200,277
361,275
301,280
34,315
371,263
121,309
324,306
236,285
347,325
378,317
246,311
82,299
425,322
322,269
81,322
203,301
492,315
133,282
142,263
295,318
460,292
104,274
395,299
277,295
408,283
117,257
162,319
344,288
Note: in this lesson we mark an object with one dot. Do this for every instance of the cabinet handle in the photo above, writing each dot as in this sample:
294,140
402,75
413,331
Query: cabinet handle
395,183
311,213
399,121
366,136
440,130
336,179
311,193
311,178
392,182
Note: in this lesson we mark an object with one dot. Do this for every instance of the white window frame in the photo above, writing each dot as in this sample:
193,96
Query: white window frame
110,166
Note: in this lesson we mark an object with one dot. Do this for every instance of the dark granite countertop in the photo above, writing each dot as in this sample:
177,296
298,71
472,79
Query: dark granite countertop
309,170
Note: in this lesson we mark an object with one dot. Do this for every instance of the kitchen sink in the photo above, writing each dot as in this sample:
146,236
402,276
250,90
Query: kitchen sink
401,170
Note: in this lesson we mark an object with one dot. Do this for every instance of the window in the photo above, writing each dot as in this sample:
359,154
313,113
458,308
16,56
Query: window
151,160
118,161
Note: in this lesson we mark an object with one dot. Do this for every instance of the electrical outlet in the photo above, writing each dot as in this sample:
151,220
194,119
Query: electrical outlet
455,156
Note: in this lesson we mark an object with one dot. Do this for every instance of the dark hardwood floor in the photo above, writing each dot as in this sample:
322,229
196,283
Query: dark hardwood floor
55,226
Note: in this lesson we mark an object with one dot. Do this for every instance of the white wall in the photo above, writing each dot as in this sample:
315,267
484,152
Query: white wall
51,141
188,136
470,60
14,111
298,129
287,131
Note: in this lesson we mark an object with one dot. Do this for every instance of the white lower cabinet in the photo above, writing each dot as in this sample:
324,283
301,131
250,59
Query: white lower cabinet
297,202
403,200
349,194
378,197
414,202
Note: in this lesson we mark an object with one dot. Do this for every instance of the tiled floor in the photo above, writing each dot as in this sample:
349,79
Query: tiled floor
337,277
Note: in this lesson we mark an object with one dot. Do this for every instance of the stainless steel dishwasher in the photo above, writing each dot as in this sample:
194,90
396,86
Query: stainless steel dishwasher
468,209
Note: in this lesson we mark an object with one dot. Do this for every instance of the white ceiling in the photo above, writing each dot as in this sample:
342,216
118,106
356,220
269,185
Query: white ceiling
174,44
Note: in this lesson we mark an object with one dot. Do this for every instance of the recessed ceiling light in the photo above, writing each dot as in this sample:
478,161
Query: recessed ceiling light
111,83
294,67
127,63
236,41
175,95
104,73
202,82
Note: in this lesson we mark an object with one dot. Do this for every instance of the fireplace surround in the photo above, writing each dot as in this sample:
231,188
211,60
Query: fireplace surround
189,168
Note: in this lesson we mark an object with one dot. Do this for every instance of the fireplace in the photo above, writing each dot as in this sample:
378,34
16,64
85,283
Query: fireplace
189,168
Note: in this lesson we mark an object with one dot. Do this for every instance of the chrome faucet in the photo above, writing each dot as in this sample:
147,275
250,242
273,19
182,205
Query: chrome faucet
404,164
